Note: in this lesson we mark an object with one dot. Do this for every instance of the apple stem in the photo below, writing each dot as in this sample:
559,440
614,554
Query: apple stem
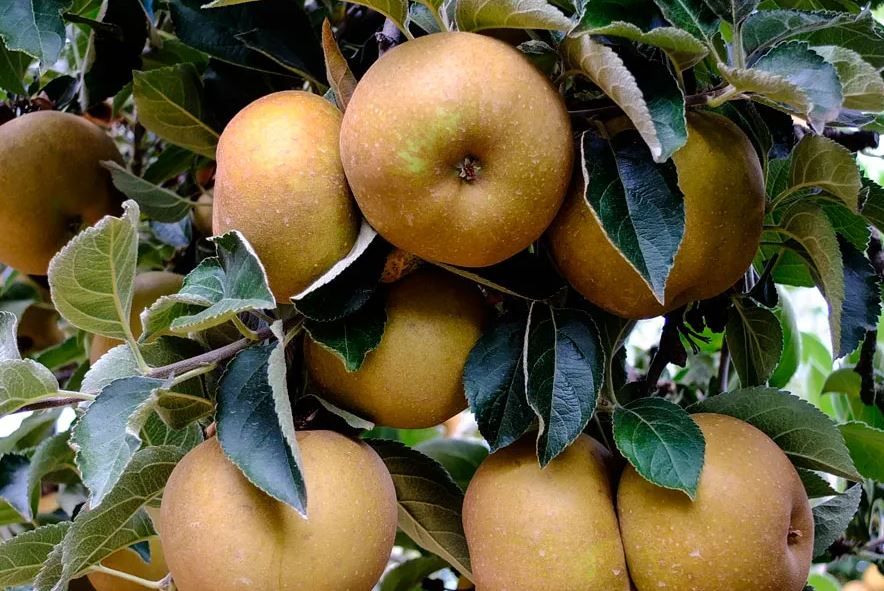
469,169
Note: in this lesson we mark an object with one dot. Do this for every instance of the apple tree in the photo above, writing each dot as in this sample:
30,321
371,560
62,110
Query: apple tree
441,294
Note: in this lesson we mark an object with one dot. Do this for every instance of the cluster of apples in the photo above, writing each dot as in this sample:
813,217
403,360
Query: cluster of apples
456,149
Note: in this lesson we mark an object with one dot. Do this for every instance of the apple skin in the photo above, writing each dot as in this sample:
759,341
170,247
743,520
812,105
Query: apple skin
551,529
280,182
873,579
149,287
723,185
221,533
855,586
51,185
414,378
749,528
128,561
426,108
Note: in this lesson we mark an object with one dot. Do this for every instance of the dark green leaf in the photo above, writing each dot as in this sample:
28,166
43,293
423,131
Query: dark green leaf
815,485
527,275
766,28
351,338
637,201
755,341
873,207
408,575
808,437
250,431
831,518
113,54
349,284
22,557
694,16
430,503
257,35
34,27
865,37
564,363
862,298
494,382
662,442
13,65
156,202
732,11
460,457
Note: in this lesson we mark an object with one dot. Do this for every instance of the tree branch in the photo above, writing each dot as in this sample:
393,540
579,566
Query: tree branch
210,357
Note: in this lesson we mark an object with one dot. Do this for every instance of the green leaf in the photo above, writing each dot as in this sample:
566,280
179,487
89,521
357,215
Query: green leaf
791,357
755,341
808,437
349,284
494,382
873,206
662,442
156,432
53,456
732,11
767,28
866,445
170,104
255,429
694,16
14,480
821,163
861,83
92,277
107,436
23,382
831,518
430,503
564,363
30,432
865,36
793,74
646,92
683,49
475,15
637,202
22,557
34,27
807,224
8,336
215,292
822,582
815,485
408,575
223,3
527,275
270,36
862,297
118,523
156,202
13,65
460,457
351,338
395,10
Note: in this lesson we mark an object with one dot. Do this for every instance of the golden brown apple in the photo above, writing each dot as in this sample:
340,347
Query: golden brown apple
457,149
149,287
748,529
723,185
873,579
414,377
38,329
202,214
221,533
51,185
280,182
551,529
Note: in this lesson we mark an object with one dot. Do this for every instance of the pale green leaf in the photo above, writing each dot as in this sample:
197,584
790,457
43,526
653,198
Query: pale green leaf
475,15
170,104
8,336
22,557
861,83
831,518
92,277
683,49
23,382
